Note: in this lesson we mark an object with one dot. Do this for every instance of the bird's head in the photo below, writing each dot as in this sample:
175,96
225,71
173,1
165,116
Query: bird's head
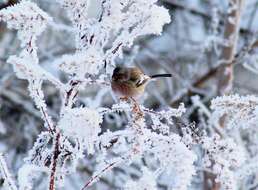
120,73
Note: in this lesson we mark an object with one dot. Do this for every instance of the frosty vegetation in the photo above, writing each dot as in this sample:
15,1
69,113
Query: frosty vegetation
94,143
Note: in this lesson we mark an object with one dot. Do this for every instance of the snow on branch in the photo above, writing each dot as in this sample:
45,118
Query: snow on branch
241,110
137,140
27,18
224,157
82,123
174,158
27,174
30,21
26,67
77,9
147,181
80,64
8,181
118,23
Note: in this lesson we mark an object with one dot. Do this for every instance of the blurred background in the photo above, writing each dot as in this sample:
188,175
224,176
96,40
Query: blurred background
189,48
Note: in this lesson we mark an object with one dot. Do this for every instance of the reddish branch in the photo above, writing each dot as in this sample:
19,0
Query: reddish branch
226,72
231,33
54,162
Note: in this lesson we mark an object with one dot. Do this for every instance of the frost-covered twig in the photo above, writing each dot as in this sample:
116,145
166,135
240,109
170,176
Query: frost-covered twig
231,34
97,176
6,174
239,111
54,161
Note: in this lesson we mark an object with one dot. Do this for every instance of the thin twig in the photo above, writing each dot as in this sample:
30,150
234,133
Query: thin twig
46,117
54,162
94,178
71,93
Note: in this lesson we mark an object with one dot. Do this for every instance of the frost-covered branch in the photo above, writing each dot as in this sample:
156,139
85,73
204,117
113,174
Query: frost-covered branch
10,184
56,153
231,34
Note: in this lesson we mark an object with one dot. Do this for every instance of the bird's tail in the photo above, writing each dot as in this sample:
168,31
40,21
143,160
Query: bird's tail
160,75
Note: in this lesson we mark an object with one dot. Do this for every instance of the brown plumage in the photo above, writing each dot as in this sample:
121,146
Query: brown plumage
131,81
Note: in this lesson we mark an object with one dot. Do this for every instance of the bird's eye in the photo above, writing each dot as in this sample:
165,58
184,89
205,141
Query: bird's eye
116,70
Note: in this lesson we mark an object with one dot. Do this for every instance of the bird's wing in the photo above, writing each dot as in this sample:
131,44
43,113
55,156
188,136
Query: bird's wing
142,80
136,78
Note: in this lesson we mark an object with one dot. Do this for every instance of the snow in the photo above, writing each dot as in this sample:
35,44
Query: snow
82,123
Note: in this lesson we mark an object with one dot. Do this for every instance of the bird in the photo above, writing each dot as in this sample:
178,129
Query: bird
130,82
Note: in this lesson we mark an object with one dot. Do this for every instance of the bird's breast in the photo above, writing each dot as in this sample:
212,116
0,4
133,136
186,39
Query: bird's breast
126,90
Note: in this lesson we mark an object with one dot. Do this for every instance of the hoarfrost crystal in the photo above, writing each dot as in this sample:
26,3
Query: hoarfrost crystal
82,123
27,18
147,181
89,62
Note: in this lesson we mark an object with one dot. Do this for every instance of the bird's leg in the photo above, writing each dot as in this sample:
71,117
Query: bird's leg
136,108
